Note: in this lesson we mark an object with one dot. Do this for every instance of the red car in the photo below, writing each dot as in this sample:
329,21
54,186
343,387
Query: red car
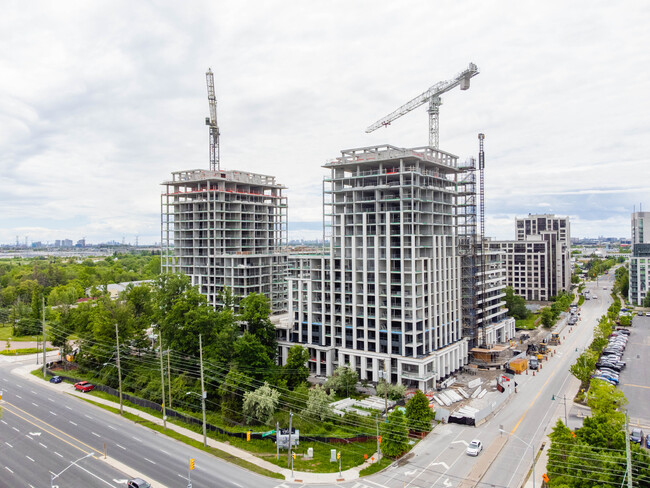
84,386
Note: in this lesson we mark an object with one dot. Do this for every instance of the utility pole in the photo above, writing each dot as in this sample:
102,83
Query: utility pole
169,380
44,348
628,454
378,445
290,421
277,440
119,369
385,389
162,378
203,393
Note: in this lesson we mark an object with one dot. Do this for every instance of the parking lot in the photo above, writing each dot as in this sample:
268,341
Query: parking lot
635,378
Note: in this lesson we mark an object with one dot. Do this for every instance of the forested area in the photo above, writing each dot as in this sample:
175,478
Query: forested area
26,283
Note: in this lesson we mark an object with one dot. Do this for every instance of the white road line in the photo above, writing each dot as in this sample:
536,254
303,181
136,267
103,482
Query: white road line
30,438
15,429
96,435
68,407
50,399
58,454
152,462
19,386
18,396
52,413
4,379
34,404
88,416
111,427
94,475
134,437
34,392
9,470
9,444
3,422
43,445
30,459
121,447
162,450
76,424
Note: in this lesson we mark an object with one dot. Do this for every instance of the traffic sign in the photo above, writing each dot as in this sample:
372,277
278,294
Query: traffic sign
270,432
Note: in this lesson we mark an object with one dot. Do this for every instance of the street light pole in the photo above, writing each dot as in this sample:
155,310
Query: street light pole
532,450
203,392
203,404
162,377
563,398
119,369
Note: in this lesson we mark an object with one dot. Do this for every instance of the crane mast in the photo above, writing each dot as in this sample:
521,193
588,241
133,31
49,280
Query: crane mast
212,122
432,96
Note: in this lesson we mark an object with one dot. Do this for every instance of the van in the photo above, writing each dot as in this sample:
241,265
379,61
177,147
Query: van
533,363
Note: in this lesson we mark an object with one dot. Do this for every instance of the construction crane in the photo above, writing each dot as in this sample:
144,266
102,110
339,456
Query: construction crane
212,123
432,95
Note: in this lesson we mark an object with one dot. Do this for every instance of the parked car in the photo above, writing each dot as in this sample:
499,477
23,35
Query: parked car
56,379
636,435
84,386
137,483
647,442
610,365
647,314
640,314
605,379
474,448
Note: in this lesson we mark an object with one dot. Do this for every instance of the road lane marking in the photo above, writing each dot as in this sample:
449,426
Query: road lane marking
19,386
68,407
88,416
60,455
50,399
94,475
43,445
97,435
152,462
111,427
121,447
30,459
9,470
162,450
72,422
34,392
139,440
3,422
18,396
9,410
9,444
15,429
52,413
636,386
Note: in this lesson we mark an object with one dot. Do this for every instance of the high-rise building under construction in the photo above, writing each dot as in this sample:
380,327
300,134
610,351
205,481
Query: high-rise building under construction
226,229
385,297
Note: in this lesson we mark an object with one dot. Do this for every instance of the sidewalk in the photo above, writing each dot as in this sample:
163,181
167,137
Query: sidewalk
298,476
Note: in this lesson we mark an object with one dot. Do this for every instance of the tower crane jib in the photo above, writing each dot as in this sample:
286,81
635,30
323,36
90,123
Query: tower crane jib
211,122
432,96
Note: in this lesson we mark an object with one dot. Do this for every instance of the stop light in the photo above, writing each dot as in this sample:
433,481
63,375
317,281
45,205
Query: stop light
379,439
248,435
338,455
293,454
192,464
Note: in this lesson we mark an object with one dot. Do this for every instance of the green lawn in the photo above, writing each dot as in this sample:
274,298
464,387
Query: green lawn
21,352
528,323
6,332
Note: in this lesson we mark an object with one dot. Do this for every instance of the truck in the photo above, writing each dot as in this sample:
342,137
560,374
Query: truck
555,339
532,363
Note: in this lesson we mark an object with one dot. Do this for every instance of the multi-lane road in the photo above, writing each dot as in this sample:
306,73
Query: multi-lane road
43,430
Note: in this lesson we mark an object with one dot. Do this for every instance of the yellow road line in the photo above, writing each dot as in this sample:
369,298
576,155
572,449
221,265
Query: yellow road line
636,386
52,427
532,403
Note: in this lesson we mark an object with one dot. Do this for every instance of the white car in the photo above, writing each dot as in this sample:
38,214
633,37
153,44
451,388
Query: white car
474,448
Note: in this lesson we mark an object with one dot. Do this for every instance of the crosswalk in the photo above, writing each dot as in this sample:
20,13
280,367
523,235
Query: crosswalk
355,485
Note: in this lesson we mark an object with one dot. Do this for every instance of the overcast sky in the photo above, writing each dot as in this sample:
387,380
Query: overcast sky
101,101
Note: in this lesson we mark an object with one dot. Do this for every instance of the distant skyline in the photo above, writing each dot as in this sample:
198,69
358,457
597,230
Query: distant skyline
101,101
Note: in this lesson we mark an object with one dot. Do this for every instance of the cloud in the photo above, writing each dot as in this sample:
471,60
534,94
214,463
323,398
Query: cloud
95,114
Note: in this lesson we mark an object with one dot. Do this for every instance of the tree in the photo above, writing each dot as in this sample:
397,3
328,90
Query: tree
584,366
418,413
295,370
231,392
343,381
515,304
394,392
547,317
394,433
318,404
605,399
260,405
251,355
254,312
